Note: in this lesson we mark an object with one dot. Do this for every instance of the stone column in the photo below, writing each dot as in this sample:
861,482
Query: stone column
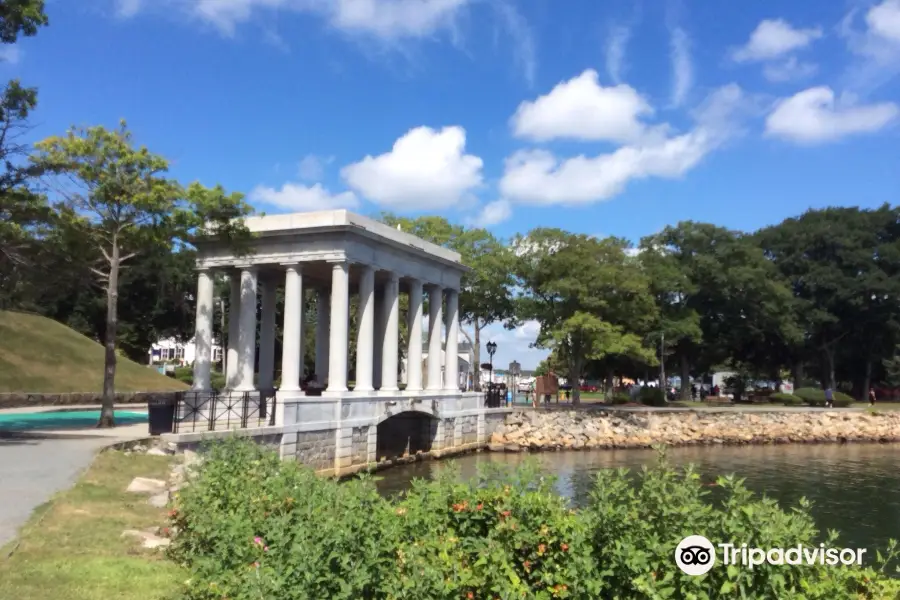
390,347
203,332
365,336
234,328
268,291
338,341
435,307
451,359
247,334
414,351
378,342
292,340
323,320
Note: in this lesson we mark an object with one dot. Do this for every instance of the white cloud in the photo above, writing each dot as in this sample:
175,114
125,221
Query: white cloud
425,170
539,177
384,19
815,116
128,8
876,44
884,20
312,167
300,198
10,54
789,70
774,38
491,214
682,67
582,109
615,52
513,345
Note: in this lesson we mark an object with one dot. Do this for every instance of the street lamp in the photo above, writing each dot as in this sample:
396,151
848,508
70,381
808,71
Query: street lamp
491,348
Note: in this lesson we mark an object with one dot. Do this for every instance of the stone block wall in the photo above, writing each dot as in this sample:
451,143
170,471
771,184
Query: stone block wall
469,427
360,446
314,449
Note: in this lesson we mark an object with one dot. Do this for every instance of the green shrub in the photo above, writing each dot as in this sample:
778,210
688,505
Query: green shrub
816,397
620,398
652,396
217,380
251,526
781,397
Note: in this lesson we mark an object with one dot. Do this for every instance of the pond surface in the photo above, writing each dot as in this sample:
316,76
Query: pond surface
854,488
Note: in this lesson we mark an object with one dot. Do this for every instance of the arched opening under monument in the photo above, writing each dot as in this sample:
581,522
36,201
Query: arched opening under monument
405,434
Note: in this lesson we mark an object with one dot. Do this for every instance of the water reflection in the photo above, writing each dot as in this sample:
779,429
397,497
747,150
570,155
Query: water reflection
855,488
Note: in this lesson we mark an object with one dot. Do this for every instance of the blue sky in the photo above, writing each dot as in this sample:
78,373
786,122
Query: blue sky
608,118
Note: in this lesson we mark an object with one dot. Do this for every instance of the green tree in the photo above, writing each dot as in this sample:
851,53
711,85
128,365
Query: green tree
116,197
721,281
587,296
20,17
842,265
21,210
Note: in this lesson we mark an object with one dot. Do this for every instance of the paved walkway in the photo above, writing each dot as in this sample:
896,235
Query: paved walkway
34,465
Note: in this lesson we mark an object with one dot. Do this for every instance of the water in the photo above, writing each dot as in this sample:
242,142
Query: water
64,419
855,488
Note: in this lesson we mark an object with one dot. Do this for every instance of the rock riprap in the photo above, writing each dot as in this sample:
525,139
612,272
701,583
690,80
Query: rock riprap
577,430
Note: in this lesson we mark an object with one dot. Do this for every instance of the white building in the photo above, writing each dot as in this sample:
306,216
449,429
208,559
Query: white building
182,354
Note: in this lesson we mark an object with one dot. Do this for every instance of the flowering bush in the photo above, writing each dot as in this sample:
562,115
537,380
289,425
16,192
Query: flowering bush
253,527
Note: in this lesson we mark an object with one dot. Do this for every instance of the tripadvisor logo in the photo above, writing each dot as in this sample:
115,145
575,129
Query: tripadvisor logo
696,555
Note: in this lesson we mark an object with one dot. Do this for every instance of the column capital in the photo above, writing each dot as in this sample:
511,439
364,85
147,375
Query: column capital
337,261
290,265
247,267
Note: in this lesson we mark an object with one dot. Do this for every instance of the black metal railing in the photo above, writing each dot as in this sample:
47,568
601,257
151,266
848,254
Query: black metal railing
494,396
218,411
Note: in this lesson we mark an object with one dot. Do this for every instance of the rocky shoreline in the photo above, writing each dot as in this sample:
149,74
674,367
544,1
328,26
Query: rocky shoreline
583,430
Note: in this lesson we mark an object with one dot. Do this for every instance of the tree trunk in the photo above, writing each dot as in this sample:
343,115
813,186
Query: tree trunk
112,320
609,384
797,374
476,355
867,381
686,378
574,377
829,367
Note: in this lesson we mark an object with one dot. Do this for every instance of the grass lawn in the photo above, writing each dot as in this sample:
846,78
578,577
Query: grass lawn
72,548
39,355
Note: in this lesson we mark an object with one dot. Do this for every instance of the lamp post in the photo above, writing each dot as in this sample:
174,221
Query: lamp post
491,349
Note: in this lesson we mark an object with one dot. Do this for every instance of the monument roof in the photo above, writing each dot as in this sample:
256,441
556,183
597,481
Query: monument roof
293,223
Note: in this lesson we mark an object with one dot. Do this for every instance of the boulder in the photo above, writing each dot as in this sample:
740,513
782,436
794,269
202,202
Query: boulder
148,540
144,485
157,452
160,500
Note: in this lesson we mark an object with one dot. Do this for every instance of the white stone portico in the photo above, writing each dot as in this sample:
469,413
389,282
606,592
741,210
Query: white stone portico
339,254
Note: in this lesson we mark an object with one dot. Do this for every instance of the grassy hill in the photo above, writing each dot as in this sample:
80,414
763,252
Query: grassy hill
38,354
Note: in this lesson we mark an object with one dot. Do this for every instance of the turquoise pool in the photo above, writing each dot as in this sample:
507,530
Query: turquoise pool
65,419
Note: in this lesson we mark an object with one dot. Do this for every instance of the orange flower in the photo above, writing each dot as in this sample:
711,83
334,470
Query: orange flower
470,595
480,506
541,548
564,547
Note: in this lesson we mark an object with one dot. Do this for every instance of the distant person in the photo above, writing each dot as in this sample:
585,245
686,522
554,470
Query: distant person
829,397
715,391
567,395
693,392
871,397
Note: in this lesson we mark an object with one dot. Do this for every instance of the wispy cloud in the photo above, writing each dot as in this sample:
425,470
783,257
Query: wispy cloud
682,66
616,44
522,36
10,55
